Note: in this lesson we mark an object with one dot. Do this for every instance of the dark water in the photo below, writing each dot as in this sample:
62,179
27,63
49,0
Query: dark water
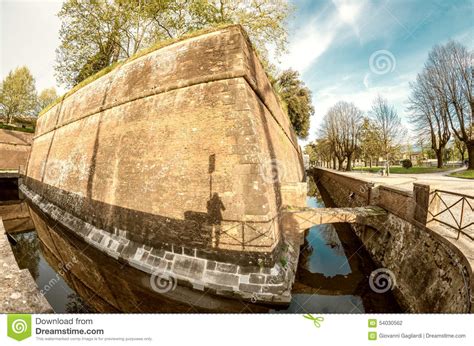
332,276
29,254
333,273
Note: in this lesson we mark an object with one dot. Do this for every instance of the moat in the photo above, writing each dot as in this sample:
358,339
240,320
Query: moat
332,276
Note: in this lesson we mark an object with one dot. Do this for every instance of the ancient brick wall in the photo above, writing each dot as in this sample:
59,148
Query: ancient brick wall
186,146
14,149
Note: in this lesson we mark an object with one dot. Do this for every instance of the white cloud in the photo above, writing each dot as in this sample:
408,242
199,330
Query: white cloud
313,40
396,94
316,37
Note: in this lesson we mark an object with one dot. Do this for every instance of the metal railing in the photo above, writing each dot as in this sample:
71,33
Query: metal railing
453,210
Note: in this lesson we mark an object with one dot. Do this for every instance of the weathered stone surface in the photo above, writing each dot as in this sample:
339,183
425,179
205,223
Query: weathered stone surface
300,219
257,279
189,267
222,278
136,149
15,147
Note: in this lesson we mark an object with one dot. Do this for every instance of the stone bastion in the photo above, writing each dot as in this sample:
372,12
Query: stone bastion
178,162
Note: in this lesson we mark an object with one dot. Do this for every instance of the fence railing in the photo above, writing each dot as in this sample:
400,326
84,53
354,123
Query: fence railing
453,210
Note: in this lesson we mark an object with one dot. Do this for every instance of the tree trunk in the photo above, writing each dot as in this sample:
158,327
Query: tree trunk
439,157
370,162
339,164
349,162
470,154
334,162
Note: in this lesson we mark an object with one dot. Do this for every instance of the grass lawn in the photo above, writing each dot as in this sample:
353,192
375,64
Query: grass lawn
468,174
401,170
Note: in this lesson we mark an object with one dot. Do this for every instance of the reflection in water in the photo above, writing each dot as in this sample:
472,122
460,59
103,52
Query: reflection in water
76,277
29,254
323,251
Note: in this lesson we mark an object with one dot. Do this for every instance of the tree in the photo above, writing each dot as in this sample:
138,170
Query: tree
388,128
96,34
429,113
311,150
341,127
46,96
369,145
451,77
460,147
297,98
18,94
407,163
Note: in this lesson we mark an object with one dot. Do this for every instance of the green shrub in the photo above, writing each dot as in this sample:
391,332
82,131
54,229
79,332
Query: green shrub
407,164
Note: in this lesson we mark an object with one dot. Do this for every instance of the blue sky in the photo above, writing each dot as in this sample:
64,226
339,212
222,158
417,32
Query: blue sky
331,45
332,42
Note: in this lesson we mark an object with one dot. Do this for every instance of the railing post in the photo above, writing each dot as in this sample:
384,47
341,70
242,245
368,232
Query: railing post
426,202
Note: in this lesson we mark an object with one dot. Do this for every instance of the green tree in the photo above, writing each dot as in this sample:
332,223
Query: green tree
95,34
18,94
46,96
297,98
311,150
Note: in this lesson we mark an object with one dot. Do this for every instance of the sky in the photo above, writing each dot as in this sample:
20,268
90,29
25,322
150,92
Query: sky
354,50
345,50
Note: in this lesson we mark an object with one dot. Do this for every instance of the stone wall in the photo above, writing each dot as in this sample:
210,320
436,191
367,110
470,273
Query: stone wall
432,272
15,147
184,149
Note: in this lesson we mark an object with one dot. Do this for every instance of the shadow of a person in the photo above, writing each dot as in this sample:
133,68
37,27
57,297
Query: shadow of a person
214,213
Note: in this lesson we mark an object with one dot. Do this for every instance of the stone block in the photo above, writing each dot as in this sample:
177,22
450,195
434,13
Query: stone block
226,268
221,278
250,288
257,279
189,267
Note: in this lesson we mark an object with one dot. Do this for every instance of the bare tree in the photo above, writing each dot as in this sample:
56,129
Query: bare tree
451,76
341,127
460,147
388,128
429,114
369,145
